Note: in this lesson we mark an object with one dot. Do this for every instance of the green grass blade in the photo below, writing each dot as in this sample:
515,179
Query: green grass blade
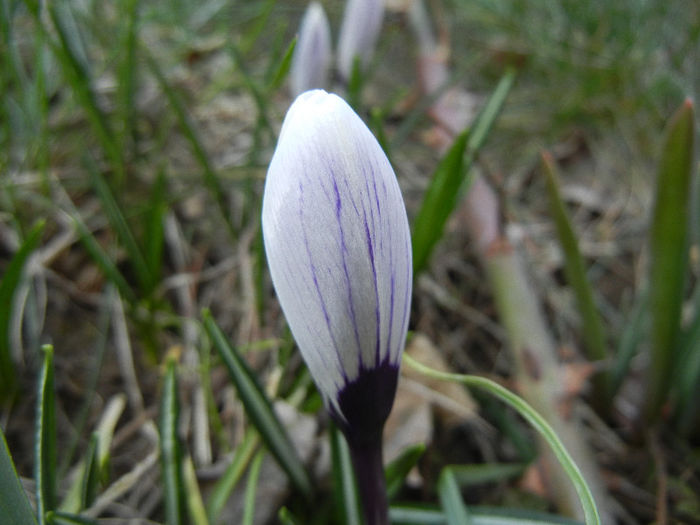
632,334
347,501
669,255
91,473
534,419
251,489
404,515
592,329
14,504
396,471
121,227
78,77
259,408
438,203
223,488
195,506
170,450
451,501
8,285
468,475
66,518
155,230
286,517
45,439
211,178
452,176
103,261
282,68
127,72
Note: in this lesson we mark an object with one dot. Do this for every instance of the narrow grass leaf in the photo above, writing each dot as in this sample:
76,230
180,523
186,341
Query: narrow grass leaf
14,504
469,475
45,439
11,279
439,201
633,333
451,499
251,489
195,506
170,452
396,471
155,230
211,178
66,518
347,501
259,408
668,245
118,221
534,419
592,329
404,515
91,473
282,68
452,176
224,487
127,71
100,257
78,77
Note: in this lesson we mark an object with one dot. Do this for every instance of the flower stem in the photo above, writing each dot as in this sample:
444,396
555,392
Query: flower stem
369,470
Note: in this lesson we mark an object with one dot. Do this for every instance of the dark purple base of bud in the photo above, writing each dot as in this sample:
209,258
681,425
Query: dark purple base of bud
366,403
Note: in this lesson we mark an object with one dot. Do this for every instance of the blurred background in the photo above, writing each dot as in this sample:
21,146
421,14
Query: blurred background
134,142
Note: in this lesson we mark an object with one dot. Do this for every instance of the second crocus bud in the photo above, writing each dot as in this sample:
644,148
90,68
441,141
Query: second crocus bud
359,31
312,55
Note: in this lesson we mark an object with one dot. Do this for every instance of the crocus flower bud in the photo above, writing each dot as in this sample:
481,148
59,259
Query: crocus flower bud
339,250
312,55
358,33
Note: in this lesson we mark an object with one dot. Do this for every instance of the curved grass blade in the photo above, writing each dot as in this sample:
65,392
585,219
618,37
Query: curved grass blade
8,285
259,408
251,489
403,515
452,176
669,255
14,504
45,439
227,482
592,330
536,421
170,450
395,472
347,501
451,501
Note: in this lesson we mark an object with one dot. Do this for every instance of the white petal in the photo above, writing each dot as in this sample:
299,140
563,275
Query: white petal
337,241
